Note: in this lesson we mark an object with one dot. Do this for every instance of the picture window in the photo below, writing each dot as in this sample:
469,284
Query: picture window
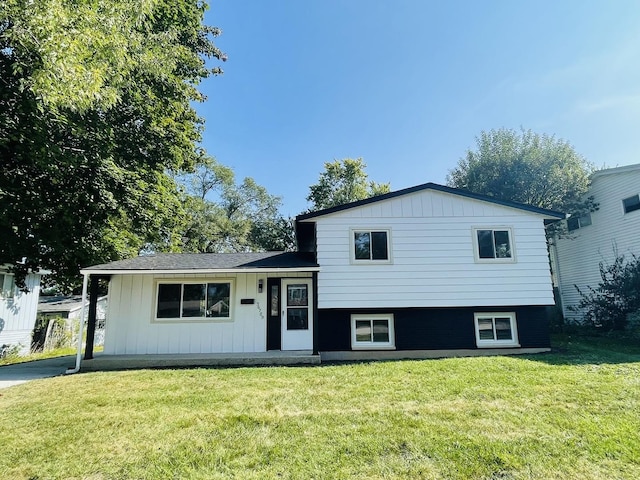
210,301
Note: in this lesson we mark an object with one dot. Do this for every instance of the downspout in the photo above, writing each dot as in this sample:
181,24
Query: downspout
76,369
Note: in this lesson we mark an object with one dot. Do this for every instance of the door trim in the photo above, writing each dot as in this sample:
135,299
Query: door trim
297,339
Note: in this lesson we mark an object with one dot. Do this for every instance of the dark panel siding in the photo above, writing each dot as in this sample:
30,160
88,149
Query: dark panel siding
433,328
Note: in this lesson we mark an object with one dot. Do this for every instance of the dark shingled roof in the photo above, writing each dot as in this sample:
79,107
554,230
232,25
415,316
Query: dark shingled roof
211,261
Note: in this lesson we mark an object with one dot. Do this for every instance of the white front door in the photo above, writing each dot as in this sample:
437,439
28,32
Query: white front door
297,314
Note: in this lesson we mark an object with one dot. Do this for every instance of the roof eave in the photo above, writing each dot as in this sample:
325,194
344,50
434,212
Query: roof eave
205,271
431,186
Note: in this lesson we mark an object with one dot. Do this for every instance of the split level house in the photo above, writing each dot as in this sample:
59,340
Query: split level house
598,237
18,312
425,271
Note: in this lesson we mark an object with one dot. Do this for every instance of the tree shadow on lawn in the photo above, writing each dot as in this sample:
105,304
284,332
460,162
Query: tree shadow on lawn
589,350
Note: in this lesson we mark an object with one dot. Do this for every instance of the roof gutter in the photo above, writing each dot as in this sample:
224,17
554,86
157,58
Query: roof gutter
192,270
76,369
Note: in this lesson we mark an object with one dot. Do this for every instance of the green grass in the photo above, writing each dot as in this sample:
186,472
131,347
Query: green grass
58,352
571,414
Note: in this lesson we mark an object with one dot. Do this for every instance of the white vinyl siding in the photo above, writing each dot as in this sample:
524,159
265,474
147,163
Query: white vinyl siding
18,312
132,329
433,256
611,230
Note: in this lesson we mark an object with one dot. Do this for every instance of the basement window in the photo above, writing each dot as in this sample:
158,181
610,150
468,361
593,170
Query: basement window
496,329
372,331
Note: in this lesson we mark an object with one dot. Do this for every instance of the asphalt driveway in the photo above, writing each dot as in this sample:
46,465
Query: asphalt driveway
18,373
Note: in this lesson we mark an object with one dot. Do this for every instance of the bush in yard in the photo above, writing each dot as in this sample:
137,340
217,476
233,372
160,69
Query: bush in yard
10,351
633,324
52,333
614,305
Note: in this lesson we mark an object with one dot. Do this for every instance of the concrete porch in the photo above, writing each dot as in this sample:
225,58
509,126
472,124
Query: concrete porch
126,362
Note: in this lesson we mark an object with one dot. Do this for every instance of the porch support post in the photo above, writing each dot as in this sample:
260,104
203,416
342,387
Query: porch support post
315,312
91,321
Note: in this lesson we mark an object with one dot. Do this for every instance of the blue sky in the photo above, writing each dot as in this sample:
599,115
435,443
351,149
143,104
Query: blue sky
408,84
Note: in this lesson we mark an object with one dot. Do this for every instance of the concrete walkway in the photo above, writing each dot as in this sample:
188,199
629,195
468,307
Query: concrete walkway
18,373
191,360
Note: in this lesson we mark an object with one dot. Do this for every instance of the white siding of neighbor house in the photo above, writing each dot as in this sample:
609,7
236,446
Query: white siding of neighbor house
18,315
130,326
579,257
433,263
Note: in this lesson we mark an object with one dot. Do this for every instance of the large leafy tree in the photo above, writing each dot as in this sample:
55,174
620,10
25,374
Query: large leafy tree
95,111
526,167
222,216
343,181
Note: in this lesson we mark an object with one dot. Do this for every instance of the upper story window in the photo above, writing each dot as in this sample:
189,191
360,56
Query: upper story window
631,204
7,285
493,244
194,301
575,222
370,245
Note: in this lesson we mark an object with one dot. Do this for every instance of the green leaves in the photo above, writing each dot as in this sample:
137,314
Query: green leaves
343,181
95,110
221,216
524,167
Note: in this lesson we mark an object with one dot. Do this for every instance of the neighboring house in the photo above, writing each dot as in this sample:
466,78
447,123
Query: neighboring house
418,272
67,307
17,311
614,229
70,309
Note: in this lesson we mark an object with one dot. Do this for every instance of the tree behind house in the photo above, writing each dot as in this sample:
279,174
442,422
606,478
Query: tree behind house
526,167
343,181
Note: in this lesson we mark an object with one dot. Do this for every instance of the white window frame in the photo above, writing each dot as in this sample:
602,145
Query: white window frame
7,285
496,343
476,246
356,345
352,246
198,281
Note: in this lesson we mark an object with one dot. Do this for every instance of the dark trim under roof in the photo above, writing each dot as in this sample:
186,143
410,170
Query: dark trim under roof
209,262
439,188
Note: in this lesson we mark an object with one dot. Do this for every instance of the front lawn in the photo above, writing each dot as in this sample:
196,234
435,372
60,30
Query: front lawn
571,414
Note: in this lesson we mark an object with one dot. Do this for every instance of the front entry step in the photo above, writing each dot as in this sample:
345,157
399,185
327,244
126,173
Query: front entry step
129,362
